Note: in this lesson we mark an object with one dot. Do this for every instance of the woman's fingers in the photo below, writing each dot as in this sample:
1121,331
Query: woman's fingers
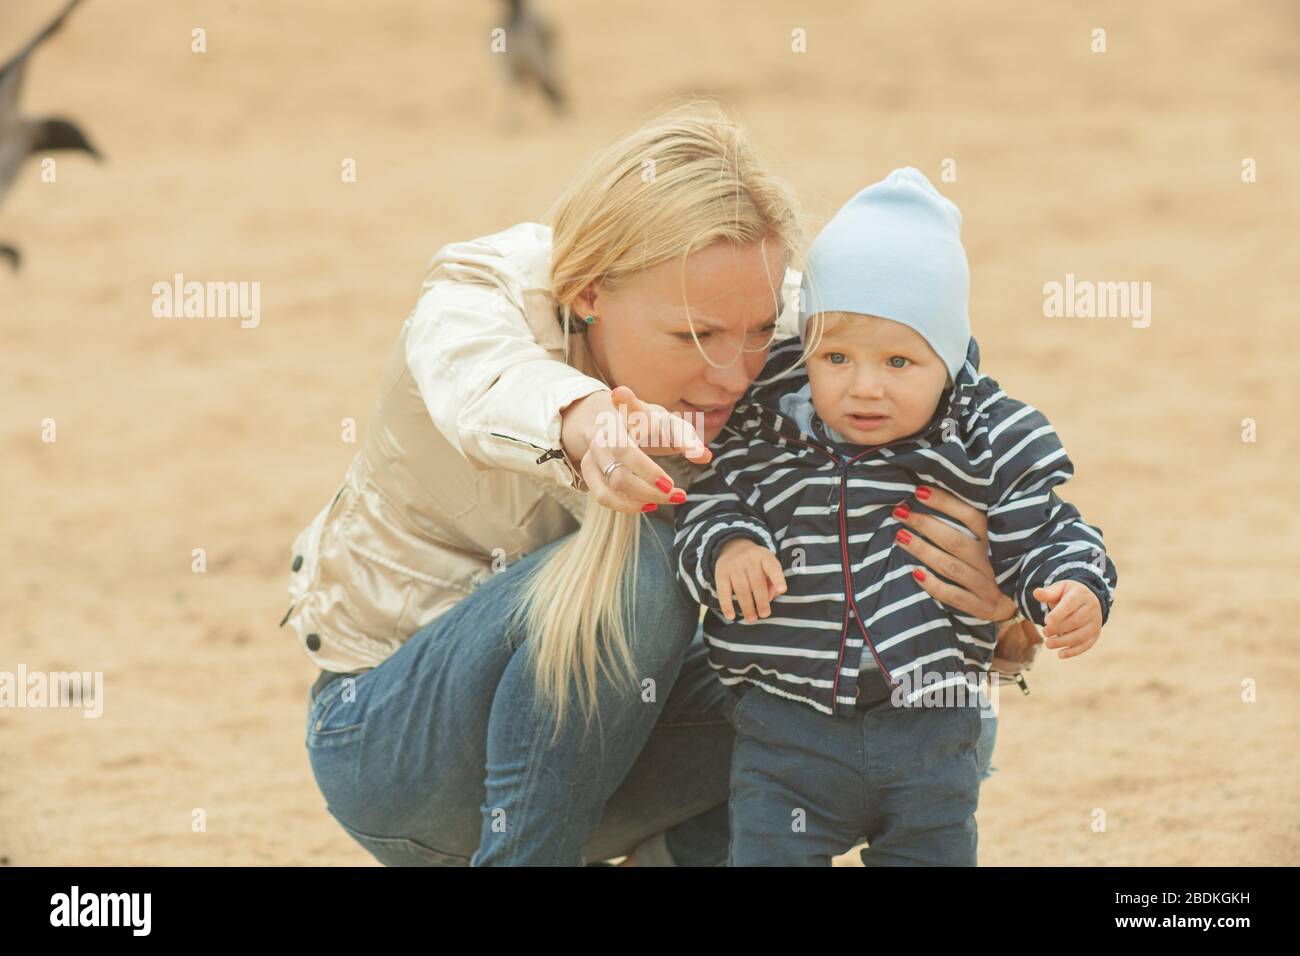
638,479
961,557
957,543
641,479
963,600
987,600
657,430
954,508
938,560
603,491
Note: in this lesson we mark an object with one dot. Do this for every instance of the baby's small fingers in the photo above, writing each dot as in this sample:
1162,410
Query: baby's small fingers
772,566
1057,624
724,597
1077,637
758,588
745,599
1079,648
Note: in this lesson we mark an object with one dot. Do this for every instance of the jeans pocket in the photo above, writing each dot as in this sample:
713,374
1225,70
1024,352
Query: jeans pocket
337,714
401,851
974,723
739,692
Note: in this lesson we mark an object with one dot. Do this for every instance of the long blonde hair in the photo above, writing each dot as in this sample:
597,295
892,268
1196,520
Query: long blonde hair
682,181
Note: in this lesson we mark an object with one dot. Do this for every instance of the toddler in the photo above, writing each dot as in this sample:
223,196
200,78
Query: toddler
857,712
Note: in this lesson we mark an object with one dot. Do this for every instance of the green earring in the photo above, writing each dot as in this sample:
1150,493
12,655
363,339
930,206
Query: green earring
589,319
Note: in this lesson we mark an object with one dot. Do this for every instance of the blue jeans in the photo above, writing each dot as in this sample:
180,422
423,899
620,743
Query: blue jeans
807,786
436,758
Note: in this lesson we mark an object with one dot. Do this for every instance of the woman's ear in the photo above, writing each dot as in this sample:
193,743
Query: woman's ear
585,302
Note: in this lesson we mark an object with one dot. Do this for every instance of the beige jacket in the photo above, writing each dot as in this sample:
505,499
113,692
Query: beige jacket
452,477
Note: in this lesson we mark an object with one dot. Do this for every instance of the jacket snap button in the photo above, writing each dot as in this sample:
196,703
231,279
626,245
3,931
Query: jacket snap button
297,562
313,642
320,724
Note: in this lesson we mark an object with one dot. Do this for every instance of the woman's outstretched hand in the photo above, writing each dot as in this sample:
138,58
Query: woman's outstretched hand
605,427
962,558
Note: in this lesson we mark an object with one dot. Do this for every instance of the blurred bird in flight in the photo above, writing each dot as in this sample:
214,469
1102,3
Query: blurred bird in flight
530,54
23,136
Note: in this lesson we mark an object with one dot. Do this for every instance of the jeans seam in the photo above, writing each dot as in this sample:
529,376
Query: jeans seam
510,849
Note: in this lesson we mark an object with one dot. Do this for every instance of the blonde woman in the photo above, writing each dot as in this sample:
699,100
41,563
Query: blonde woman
511,673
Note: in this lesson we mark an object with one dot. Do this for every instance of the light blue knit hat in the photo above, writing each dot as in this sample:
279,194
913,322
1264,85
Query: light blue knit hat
894,250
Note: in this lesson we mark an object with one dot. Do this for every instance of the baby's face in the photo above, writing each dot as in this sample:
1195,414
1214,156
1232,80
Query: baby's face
873,380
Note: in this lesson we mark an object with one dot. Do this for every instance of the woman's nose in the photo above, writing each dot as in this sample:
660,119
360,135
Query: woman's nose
732,378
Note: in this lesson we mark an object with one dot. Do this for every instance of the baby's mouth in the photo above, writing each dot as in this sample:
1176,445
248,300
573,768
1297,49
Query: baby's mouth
867,422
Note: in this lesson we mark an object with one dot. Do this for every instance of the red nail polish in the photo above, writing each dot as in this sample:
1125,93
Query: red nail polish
677,497
649,506
664,484
923,493
903,537
902,512
919,574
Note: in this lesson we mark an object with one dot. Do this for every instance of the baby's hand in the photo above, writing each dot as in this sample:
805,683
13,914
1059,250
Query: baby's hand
752,574
1075,619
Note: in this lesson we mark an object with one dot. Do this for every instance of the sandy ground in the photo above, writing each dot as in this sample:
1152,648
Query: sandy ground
181,434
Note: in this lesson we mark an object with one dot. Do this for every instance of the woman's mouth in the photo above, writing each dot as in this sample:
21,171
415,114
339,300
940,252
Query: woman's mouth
715,416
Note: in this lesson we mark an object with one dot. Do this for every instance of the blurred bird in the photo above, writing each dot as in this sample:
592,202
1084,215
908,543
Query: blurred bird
530,53
22,136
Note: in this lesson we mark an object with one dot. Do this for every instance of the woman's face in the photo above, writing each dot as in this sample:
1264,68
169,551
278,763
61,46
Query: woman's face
642,337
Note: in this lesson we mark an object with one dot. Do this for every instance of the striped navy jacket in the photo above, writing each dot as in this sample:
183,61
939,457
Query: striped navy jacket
825,508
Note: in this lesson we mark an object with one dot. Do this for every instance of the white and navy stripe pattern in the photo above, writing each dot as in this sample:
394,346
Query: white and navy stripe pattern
822,506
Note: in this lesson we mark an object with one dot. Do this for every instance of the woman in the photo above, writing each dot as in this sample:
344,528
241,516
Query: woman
487,562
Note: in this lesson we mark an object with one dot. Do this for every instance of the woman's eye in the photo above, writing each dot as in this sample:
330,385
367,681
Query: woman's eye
686,336
898,361
833,355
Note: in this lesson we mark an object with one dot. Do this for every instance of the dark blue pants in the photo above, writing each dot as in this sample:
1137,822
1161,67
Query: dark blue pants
806,786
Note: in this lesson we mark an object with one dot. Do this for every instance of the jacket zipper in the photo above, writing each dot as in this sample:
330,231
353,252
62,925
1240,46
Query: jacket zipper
848,593
850,606
551,453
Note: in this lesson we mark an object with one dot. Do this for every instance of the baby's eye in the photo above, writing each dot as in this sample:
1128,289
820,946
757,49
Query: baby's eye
898,361
832,355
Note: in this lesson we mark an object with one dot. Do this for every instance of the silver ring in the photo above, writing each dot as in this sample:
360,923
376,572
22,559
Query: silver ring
610,467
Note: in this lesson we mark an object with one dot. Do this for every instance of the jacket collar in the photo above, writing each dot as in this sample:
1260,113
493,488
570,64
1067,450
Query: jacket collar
785,374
